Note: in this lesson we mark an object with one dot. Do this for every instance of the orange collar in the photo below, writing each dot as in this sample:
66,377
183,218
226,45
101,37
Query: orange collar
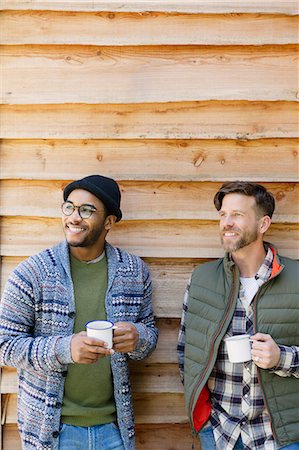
276,267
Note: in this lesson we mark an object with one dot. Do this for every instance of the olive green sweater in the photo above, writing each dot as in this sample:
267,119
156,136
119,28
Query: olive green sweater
88,394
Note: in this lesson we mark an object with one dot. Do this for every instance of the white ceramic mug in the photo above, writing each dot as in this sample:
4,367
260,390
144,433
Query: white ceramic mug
238,348
101,329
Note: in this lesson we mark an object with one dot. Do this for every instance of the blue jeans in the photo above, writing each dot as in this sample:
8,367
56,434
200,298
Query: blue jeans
294,446
98,437
208,442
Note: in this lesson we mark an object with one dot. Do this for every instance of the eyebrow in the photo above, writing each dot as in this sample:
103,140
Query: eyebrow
234,210
83,204
89,204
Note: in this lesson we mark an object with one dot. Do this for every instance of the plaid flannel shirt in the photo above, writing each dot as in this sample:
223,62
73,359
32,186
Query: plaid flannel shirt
237,399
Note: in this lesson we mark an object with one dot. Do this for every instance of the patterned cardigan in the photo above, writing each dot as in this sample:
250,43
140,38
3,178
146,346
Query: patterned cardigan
36,325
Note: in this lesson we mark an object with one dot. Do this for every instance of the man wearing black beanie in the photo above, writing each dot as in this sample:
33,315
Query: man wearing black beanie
74,391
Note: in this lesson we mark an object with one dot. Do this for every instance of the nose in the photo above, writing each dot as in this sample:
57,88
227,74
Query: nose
227,221
75,215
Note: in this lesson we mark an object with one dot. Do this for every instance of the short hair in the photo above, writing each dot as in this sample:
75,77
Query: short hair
265,202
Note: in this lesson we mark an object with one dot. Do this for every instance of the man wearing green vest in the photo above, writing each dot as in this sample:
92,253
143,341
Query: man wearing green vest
74,390
253,404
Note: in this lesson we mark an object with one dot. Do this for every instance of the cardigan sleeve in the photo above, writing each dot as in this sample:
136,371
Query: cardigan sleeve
19,347
145,325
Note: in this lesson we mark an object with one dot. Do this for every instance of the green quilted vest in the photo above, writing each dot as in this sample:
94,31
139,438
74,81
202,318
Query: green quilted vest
212,299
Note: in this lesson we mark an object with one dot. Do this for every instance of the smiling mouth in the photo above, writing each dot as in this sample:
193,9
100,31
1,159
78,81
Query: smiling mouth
75,230
229,234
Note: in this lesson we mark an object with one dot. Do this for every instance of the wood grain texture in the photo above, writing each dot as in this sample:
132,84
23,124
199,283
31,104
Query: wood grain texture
150,28
8,264
159,408
142,200
10,414
164,239
9,381
37,74
153,160
190,6
165,437
11,439
242,120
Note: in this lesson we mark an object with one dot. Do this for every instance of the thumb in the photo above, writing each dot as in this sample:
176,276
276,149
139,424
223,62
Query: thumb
82,333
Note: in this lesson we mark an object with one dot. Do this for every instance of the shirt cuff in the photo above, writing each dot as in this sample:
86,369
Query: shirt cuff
63,350
286,359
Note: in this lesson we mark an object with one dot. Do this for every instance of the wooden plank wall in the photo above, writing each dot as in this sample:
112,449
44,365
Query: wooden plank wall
170,98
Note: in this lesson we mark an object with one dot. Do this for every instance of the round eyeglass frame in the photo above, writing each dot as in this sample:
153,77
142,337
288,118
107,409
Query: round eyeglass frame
89,210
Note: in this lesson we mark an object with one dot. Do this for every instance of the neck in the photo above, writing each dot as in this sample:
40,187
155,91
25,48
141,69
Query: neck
249,259
86,253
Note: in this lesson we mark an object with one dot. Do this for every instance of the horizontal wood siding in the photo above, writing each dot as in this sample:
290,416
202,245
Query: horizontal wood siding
157,200
152,160
171,99
190,6
154,73
150,28
162,239
187,120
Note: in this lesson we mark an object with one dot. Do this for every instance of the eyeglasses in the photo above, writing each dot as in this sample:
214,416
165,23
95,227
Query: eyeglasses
85,211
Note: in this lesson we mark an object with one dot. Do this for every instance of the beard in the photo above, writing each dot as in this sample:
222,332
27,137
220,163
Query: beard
89,240
245,238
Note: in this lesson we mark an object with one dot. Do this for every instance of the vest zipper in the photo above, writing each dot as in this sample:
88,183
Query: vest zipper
211,353
256,297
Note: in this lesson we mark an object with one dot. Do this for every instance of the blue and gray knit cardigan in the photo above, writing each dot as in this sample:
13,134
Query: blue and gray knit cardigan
36,325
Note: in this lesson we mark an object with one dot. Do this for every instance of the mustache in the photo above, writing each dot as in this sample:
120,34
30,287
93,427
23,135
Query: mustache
231,230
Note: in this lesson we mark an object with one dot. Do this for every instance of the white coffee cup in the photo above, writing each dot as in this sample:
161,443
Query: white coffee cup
238,348
101,329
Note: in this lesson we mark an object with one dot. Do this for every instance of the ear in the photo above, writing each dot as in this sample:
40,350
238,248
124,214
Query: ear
265,222
109,222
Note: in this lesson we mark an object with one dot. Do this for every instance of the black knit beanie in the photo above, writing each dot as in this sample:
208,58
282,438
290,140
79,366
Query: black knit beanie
106,189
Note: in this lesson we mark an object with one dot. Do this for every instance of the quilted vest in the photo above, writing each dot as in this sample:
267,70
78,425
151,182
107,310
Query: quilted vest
212,299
